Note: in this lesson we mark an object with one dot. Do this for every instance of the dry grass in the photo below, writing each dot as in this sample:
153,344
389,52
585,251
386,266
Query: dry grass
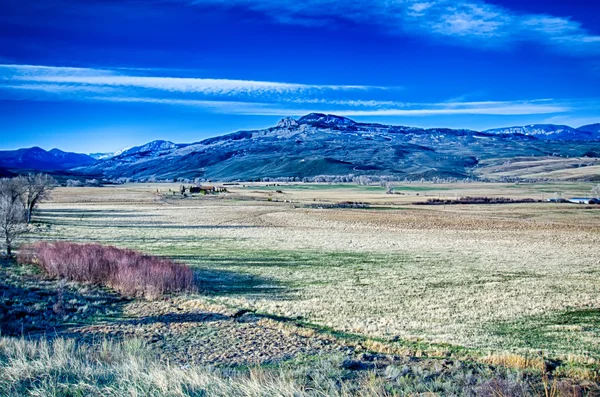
516,361
506,278
62,368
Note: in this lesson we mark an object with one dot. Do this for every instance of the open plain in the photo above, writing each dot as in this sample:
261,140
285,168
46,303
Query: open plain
511,277
288,272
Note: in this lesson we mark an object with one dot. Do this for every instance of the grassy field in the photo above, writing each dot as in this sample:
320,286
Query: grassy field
554,168
489,279
407,193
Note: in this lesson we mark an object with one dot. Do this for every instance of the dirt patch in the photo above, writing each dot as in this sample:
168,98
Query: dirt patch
189,331
181,330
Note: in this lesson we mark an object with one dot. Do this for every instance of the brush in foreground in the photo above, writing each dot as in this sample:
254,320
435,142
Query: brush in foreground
126,271
64,368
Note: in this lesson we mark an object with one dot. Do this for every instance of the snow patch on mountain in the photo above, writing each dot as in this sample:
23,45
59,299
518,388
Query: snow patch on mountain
545,132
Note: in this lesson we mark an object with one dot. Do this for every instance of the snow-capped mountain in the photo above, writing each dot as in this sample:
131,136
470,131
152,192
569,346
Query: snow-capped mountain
101,156
154,146
547,132
151,147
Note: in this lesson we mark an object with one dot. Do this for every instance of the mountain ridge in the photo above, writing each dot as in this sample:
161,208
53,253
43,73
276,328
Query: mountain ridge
549,132
318,144
36,158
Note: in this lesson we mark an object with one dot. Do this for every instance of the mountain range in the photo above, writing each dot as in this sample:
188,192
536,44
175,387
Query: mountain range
553,132
320,144
38,159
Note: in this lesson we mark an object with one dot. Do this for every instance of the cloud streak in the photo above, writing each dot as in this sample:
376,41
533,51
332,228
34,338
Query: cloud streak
472,22
61,77
243,97
401,109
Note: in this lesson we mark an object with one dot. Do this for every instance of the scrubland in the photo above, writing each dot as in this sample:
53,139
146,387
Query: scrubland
510,284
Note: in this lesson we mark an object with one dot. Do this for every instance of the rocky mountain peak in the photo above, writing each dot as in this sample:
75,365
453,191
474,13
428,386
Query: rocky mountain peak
287,122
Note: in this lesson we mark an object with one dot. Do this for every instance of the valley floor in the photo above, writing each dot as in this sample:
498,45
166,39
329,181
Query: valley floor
282,279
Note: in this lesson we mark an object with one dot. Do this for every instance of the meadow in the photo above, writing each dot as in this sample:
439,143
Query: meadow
517,277
509,284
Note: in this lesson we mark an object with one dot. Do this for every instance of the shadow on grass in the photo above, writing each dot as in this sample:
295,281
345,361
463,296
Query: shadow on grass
32,305
79,214
212,282
177,318
89,223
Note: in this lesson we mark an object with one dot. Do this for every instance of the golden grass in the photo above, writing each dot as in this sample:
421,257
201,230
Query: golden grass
512,360
465,275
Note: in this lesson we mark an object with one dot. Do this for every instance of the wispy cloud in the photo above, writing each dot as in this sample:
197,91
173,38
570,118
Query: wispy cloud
401,109
473,22
62,77
239,96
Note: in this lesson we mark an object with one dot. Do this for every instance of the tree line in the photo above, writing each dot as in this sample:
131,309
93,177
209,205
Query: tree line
19,198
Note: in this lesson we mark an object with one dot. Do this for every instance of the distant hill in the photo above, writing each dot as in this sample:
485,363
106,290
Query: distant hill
38,159
4,173
320,144
549,132
592,128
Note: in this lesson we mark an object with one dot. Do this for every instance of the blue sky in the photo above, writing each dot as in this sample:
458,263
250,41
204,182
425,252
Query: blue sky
93,76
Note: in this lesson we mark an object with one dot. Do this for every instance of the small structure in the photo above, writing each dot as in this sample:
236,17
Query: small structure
202,189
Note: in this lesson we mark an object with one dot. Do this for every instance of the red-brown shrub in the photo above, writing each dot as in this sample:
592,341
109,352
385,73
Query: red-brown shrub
126,271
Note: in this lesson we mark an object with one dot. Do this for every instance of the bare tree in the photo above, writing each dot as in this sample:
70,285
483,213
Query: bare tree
12,212
596,191
389,189
12,189
36,188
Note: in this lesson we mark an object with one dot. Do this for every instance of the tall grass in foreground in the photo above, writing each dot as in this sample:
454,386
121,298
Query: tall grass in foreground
126,271
117,369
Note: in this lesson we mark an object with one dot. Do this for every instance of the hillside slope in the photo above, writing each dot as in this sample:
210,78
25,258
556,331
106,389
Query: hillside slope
319,144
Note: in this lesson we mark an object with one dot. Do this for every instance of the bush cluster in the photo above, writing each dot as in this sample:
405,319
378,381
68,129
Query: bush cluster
476,200
126,271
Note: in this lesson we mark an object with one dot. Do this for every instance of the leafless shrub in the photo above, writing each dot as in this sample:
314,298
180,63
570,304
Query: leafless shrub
126,271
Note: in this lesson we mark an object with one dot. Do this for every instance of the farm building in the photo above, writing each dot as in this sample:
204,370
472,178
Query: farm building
202,189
